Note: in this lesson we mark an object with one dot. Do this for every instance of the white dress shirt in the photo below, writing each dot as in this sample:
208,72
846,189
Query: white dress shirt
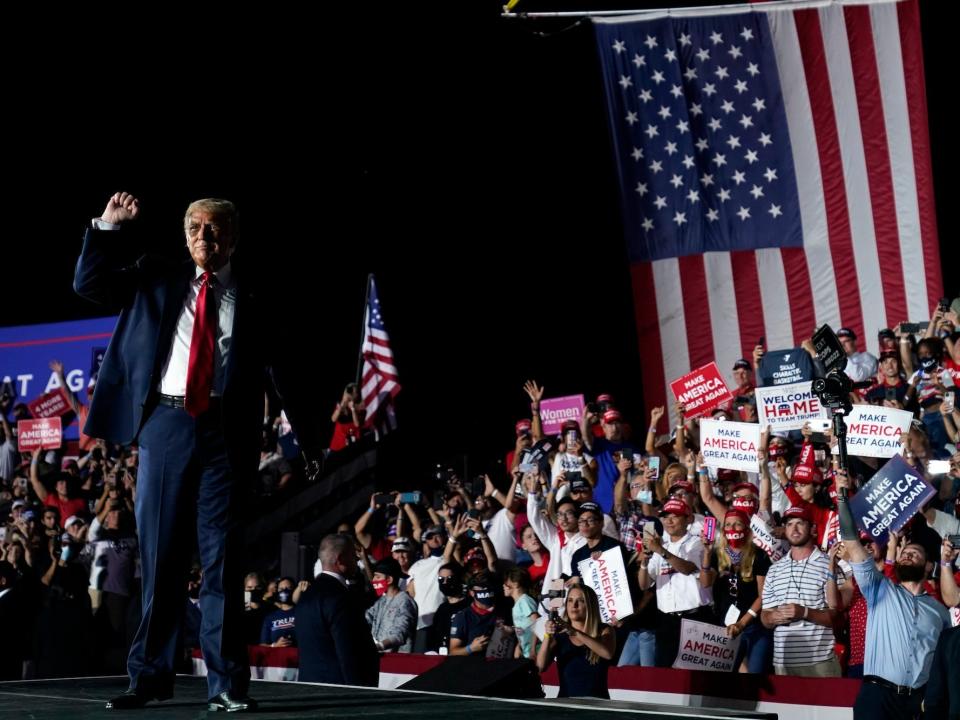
173,377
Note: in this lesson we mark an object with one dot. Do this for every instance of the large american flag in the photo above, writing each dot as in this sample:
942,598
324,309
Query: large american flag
378,375
774,166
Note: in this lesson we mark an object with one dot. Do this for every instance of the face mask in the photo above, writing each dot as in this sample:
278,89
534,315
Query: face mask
449,586
735,538
485,598
317,568
380,586
436,552
66,553
927,363
284,596
748,504
194,592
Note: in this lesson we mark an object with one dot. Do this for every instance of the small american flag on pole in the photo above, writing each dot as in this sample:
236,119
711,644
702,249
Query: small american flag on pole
774,168
378,374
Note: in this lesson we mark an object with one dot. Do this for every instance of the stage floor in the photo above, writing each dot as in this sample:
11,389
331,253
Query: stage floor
79,698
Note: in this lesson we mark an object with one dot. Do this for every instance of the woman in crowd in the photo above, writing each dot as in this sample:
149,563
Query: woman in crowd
736,570
582,646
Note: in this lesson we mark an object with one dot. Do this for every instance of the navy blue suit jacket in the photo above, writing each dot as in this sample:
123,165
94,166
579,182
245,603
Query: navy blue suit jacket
149,293
333,637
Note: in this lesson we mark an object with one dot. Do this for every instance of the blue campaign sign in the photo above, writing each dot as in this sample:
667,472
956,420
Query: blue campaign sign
783,367
894,494
26,352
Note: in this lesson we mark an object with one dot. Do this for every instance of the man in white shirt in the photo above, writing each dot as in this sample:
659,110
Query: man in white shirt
795,603
423,587
673,566
562,540
861,366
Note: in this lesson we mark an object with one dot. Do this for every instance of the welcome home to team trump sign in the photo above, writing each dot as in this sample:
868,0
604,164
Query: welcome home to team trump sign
788,407
730,445
701,390
894,494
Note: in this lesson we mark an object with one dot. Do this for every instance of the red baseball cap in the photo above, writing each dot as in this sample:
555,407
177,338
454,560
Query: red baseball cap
684,485
675,506
798,511
612,416
522,427
739,515
804,474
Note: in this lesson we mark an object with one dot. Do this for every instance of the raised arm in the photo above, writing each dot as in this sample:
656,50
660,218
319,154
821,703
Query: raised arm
105,271
38,487
535,393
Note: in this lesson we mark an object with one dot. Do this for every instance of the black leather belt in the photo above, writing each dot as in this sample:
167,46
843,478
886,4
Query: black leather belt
898,689
178,401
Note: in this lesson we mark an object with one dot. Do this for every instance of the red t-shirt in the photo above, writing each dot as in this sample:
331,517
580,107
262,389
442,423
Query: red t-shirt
538,573
344,433
73,506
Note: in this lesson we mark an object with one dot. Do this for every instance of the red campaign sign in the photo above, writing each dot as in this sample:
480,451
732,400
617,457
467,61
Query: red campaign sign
701,390
51,404
42,434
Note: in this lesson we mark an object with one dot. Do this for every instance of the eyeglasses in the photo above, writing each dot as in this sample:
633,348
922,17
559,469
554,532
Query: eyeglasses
588,520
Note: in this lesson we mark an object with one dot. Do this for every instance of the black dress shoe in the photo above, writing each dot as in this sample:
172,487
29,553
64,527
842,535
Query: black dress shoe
135,698
231,702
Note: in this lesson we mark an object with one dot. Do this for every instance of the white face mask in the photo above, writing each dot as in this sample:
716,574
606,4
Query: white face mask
317,568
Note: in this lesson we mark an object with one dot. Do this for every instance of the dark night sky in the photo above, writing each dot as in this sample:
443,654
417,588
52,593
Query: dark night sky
462,158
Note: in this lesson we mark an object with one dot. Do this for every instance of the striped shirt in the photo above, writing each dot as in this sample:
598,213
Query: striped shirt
800,642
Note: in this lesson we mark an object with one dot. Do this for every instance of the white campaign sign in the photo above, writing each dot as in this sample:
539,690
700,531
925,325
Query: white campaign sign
608,578
788,407
730,445
501,643
705,647
764,539
874,431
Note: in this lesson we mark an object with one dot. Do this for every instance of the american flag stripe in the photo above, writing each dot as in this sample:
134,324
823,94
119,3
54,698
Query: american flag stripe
747,294
892,80
908,15
851,88
833,191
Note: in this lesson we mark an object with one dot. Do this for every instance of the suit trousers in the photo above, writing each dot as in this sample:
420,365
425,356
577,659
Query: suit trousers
185,486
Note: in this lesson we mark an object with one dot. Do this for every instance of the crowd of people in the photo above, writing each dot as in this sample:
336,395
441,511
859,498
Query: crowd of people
492,565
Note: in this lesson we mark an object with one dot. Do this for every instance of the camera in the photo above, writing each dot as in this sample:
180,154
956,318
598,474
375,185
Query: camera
833,390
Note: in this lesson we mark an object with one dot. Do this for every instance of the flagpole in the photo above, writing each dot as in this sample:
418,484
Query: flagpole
363,329
686,11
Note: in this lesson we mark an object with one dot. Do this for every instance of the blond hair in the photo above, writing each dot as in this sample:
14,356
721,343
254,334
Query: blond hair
591,624
214,206
749,552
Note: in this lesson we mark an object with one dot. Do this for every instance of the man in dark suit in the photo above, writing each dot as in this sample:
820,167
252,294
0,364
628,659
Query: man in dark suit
333,637
13,620
942,698
184,376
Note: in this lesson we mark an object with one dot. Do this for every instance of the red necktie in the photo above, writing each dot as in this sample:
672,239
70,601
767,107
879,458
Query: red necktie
200,369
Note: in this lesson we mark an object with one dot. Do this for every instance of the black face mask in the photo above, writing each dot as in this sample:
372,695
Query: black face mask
928,363
284,596
450,587
194,592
